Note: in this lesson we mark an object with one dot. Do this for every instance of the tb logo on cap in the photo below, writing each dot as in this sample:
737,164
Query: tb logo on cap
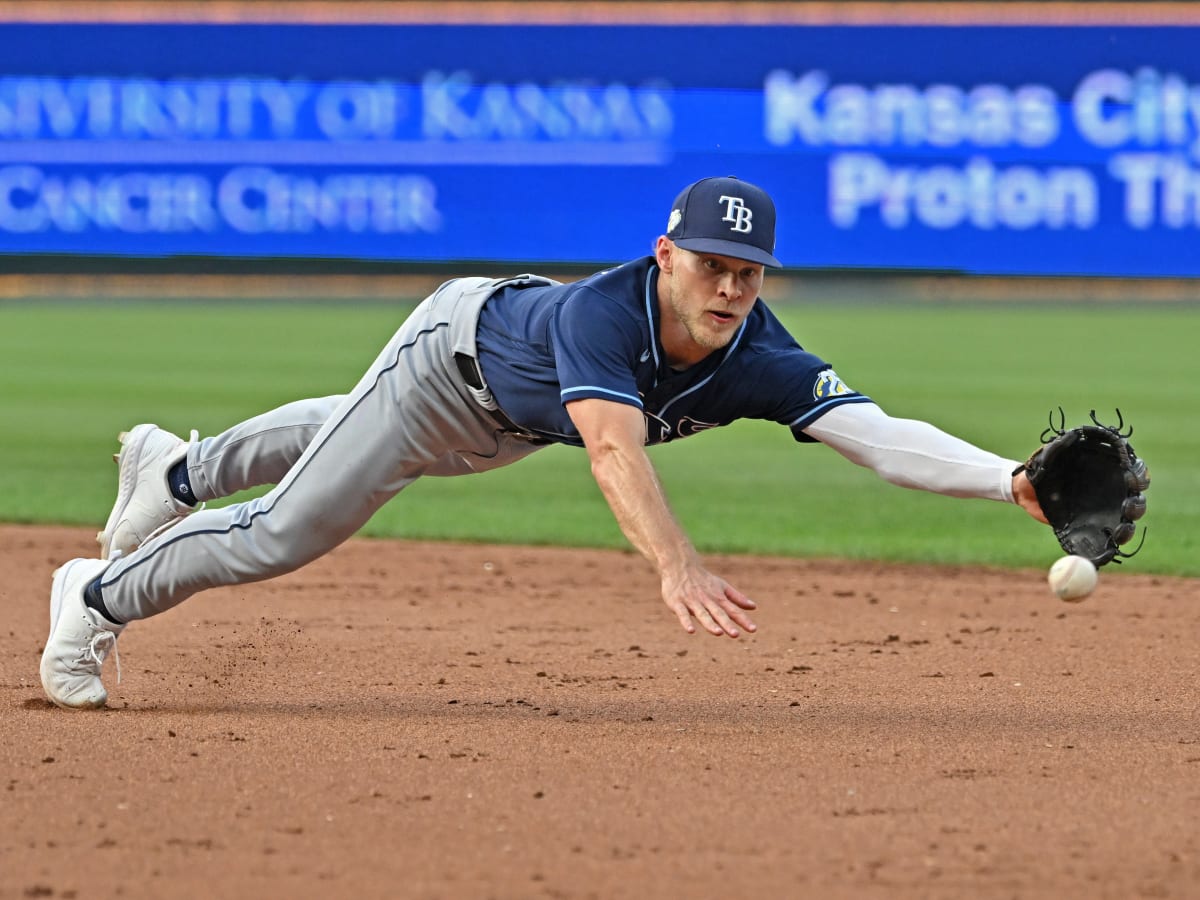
737,212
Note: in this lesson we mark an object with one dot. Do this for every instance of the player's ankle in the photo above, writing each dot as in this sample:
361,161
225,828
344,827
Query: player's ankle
180,484
93,598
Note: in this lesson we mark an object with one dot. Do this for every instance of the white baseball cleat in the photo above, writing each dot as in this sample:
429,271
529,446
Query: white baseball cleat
79,641
145,506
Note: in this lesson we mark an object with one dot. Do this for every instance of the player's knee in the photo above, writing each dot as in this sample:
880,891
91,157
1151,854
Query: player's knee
290,541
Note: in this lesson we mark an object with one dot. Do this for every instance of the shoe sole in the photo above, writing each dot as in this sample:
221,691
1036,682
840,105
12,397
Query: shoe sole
132,443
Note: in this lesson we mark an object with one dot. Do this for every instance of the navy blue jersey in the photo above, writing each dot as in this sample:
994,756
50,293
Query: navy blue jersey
541,347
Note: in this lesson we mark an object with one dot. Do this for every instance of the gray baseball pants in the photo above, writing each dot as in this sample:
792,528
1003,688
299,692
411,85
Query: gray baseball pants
333,460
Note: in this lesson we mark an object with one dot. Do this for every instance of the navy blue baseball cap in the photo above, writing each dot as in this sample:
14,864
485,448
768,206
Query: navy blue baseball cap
726,216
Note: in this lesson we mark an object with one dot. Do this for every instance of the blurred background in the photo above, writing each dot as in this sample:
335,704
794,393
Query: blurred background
1039,140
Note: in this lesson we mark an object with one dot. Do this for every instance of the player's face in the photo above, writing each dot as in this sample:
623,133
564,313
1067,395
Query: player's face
703,299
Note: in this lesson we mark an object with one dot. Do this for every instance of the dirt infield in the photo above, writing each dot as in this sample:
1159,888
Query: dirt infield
431,720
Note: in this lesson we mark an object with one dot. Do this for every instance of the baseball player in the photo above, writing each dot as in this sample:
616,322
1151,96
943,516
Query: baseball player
483,373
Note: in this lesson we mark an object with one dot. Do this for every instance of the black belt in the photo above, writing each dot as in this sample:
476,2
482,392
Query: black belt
468,368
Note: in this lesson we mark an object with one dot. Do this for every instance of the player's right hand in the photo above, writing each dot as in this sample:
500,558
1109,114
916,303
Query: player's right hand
697,595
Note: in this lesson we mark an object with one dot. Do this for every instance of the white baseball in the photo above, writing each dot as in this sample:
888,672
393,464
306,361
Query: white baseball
1072,578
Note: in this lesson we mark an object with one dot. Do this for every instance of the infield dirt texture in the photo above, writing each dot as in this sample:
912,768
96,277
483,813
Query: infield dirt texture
405,719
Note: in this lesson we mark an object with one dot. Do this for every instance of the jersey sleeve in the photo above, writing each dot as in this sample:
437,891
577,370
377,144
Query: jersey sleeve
596,347
798,388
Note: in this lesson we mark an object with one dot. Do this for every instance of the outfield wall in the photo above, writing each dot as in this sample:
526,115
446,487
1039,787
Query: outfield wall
1007,139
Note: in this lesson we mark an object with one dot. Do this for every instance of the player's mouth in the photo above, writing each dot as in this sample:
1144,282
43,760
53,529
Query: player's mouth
722,318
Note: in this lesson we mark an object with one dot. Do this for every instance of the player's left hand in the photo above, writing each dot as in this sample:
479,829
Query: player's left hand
697,595
1091,486
1026,497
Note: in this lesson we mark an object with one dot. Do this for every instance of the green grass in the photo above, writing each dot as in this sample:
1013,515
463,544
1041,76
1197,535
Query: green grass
76,373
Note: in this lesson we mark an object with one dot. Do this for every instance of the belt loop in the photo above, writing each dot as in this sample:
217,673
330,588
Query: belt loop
468,368
472,376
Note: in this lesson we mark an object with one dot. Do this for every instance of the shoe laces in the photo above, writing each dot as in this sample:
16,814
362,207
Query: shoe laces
98,649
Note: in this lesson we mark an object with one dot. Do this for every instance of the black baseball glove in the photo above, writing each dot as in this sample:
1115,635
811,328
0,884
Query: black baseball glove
1089,483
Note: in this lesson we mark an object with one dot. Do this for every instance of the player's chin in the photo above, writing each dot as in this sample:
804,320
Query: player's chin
717,334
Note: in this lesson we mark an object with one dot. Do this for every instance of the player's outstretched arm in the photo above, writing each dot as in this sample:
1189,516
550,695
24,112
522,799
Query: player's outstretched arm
614,434
915,454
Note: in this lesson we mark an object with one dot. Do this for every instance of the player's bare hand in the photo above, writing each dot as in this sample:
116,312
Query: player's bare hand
698,596
1026,497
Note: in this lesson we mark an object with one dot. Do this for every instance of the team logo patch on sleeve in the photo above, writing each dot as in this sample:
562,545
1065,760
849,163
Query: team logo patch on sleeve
829,385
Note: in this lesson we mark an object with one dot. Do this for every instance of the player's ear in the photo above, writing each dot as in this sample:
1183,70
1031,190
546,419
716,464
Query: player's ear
664,249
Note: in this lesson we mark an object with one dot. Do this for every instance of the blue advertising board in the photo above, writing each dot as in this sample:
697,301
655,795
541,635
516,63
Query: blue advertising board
990,149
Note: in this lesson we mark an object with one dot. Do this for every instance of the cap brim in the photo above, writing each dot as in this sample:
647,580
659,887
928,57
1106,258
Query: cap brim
735,249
